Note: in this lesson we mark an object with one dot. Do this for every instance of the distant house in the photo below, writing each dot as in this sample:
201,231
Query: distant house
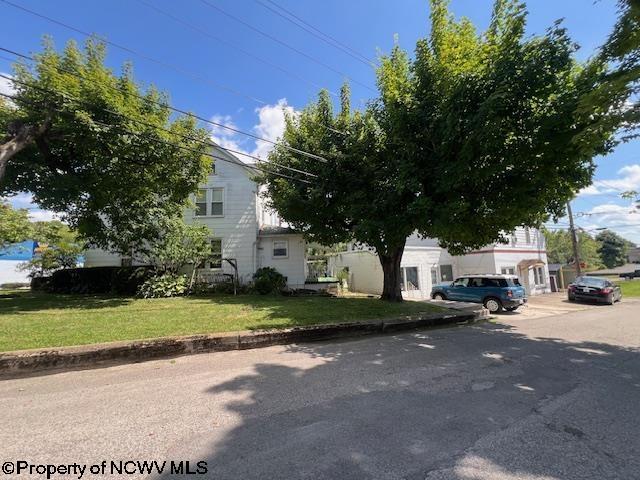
11,257
425,264
634,255
243,231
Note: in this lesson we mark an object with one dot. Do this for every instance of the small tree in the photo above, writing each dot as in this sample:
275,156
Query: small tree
59,248
613,248
178,245
14,225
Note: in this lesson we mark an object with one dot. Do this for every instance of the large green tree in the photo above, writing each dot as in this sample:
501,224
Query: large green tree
560,248
94,146
613,248
476,135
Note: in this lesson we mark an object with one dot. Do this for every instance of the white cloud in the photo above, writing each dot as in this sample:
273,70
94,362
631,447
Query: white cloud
629,179
25,200
625,221
6,86
271,125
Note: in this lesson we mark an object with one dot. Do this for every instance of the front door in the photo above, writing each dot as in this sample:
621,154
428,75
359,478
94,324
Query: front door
410,283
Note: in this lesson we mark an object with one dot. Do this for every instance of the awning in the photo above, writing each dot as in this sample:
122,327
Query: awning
531,262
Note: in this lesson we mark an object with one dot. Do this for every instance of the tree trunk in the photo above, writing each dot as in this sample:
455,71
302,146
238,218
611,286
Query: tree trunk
23,135
391,291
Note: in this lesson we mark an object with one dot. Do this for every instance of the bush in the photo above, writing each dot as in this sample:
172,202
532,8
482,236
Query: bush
162,286
268,280
40,284
116,280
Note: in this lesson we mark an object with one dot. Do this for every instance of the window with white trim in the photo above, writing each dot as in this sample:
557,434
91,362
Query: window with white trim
538,276
280,248
527,234
216,253
410,281
209,202
201,202
508,270
217,202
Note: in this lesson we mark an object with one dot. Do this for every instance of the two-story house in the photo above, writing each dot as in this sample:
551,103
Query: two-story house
242,229
425,264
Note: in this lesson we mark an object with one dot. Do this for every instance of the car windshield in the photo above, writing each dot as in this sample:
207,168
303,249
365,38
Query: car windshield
591,281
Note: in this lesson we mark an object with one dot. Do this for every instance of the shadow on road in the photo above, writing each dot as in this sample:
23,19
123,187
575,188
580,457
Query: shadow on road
449,402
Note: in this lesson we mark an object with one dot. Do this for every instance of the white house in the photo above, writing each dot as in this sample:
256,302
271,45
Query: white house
425,264
242,230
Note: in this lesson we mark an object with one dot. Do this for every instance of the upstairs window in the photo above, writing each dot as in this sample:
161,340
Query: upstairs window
217,202
527,234
209,202
201,203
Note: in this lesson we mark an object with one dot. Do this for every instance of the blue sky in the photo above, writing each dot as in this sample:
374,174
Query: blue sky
263,86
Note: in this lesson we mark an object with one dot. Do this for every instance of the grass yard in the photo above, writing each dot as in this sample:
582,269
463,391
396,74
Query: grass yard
34,320
630,288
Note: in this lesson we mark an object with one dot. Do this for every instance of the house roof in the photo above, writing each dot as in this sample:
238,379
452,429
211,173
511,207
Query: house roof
267,230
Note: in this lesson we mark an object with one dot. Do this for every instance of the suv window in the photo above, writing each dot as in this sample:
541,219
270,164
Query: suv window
494,282
476,282
461,282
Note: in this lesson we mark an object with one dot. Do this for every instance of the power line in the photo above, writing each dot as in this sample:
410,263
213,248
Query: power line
162,63
215,157
283,43
300,23
231,45
140,122
184,112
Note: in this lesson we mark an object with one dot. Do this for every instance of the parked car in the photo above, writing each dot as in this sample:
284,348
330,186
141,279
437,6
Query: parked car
594,288
630,275
495,292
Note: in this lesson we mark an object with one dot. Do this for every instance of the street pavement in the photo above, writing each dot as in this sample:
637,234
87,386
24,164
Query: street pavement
551,397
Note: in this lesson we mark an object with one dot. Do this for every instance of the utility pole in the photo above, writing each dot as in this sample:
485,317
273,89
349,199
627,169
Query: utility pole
574,241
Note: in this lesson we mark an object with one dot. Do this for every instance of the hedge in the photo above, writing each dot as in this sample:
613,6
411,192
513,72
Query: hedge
118,280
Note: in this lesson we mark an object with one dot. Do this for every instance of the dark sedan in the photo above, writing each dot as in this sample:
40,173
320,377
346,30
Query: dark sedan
595,289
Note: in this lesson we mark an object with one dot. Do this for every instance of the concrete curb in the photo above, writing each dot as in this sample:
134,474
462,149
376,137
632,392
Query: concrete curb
43,361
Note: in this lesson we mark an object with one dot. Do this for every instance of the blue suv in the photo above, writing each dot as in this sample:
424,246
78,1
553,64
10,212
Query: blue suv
495,292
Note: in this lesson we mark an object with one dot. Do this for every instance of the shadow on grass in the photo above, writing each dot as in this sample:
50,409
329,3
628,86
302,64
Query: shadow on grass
406,406
27,301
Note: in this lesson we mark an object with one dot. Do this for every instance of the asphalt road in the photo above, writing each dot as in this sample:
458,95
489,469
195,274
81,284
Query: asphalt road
524,398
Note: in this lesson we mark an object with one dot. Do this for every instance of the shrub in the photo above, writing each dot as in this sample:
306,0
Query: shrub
40,284
162,286
117,280
268,280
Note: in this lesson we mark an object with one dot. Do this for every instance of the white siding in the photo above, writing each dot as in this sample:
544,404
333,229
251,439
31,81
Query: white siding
95,257
238,227
424,253
293,266
365,271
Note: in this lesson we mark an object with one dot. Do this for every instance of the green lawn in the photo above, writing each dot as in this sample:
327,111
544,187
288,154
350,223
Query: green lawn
34,320
630,288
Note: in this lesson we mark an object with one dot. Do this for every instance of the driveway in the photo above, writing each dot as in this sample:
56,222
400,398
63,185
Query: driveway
549,398
550,304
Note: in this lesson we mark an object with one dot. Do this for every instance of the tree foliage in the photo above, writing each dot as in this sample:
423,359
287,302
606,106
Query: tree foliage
560,249
178,245
476,135
97,148
613,248
14,225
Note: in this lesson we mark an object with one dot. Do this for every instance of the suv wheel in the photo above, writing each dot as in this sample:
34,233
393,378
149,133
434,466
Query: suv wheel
439,296
493,305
